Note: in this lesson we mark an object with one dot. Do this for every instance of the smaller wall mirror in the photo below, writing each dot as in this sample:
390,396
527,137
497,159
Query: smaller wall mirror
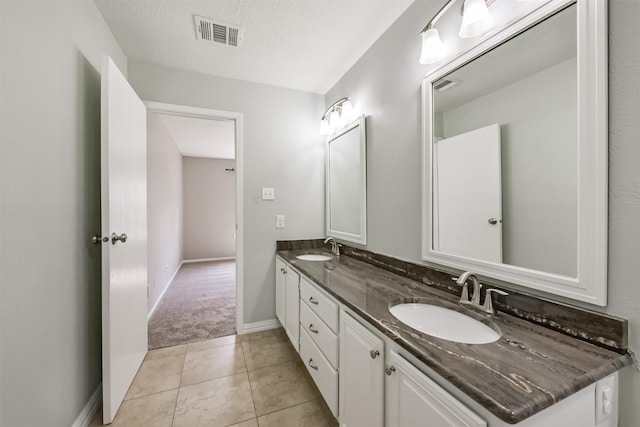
346,190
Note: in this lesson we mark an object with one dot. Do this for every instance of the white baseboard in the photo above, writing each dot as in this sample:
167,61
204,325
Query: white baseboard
248,328
166,286
224,258
89,410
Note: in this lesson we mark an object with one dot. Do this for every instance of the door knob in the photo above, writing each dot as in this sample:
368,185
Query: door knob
492,221
115,238
96,239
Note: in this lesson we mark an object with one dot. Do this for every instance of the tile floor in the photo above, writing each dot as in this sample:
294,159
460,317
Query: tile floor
240,380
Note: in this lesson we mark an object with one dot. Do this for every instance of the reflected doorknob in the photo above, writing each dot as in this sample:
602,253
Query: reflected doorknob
492,221
115,238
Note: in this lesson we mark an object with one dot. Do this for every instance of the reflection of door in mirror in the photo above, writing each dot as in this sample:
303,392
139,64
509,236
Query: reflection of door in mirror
467,195
345,185
529,85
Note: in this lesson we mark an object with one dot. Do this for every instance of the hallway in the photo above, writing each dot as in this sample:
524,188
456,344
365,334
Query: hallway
200,304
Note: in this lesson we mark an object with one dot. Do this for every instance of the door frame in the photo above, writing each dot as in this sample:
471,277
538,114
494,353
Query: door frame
209,114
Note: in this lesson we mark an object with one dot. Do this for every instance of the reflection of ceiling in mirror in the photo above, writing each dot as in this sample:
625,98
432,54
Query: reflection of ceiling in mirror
550,42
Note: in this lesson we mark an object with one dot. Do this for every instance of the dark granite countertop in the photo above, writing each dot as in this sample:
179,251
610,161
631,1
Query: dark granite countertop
527,370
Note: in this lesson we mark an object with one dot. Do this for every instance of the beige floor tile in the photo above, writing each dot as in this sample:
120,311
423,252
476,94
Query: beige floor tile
269,333
155,410
161,353
219,402
213,363
280,386
215,342
267,351
309,414
249,423
155,376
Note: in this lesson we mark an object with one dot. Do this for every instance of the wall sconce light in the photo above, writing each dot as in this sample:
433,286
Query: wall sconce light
476,20
338,115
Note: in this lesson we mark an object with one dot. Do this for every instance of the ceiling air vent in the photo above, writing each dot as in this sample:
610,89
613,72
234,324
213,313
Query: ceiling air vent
218,32
445,84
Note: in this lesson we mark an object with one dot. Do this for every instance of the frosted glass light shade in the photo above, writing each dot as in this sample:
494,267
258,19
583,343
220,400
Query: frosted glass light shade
346,113
334,121
476,19
324,127
432,48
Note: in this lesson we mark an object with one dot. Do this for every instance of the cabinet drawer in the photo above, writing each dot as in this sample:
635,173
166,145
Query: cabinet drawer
323,374
321,304
320,333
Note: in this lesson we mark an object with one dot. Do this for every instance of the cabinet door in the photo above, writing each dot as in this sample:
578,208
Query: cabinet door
361,375
414,400
292,307
280,290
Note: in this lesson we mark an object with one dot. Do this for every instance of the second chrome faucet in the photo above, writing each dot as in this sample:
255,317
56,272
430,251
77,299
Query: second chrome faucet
474,301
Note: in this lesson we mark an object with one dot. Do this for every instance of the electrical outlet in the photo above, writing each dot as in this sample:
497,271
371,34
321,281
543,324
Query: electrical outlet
166,268
279,221
268,194
605,398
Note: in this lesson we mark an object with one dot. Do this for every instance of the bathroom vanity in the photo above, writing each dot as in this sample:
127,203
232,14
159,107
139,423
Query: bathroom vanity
373,370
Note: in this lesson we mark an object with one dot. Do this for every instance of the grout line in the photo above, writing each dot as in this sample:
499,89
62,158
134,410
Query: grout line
175,406
253,400
292,406
213,379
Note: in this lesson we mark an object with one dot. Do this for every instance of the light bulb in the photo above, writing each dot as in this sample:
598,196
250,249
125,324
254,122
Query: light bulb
346,113
476,19
334,121
432,48
324,127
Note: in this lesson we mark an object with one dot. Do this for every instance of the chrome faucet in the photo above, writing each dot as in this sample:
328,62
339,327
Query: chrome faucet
487,307
462,281
335,246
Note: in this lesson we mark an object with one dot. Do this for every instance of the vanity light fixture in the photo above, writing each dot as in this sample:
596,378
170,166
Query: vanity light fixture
339,114
476,20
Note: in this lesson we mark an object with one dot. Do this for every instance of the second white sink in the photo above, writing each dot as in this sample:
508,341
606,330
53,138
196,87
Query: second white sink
314,257
444,323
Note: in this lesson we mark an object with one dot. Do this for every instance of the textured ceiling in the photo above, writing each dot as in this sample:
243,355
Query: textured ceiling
201,137
299,44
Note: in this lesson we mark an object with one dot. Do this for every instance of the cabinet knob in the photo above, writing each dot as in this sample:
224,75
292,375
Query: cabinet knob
374,353
315,331
389,370
115,238
312,301
312,365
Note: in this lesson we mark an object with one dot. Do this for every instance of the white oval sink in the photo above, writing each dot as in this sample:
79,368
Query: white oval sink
444,323
314,257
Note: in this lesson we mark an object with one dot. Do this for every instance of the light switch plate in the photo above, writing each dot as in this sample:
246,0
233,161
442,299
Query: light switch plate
279,221
268,194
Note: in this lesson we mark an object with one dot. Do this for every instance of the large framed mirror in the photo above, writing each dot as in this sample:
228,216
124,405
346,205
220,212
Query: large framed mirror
515,154
346,190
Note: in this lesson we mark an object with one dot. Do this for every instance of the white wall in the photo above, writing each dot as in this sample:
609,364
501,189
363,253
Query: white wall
209,208
539,165
164,208
282,149
50,207
385,84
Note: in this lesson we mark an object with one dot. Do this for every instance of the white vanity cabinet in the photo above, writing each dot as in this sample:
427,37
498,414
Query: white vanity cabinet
288,301
361,375
413,399
281,274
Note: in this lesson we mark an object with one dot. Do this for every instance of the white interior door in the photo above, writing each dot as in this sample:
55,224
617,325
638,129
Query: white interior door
124,261
468,195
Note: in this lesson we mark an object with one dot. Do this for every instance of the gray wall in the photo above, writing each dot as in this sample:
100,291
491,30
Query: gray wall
539,165
282,149
164,208
49,208
385,84
209,208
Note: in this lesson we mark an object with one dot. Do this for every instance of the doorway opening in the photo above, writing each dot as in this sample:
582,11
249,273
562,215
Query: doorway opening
194,164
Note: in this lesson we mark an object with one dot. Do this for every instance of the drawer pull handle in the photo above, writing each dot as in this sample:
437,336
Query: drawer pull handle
389,370
374,353
312,365
312,301
315,331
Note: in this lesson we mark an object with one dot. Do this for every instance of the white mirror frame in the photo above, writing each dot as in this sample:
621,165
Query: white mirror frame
590,285
361,237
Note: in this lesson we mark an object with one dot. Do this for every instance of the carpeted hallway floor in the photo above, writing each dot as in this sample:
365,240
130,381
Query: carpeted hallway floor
200,304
